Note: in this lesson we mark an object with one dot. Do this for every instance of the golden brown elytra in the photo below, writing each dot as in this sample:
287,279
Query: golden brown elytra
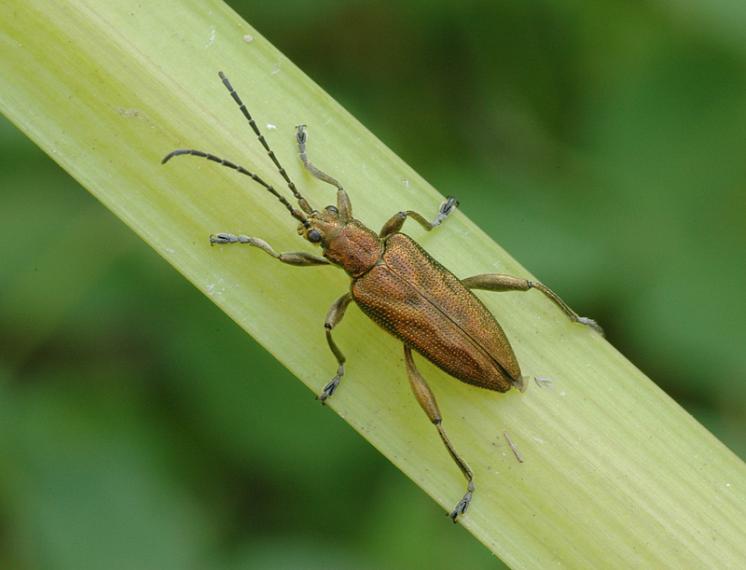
399,286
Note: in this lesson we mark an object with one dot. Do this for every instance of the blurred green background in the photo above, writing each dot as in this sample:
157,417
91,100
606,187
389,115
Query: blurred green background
601,143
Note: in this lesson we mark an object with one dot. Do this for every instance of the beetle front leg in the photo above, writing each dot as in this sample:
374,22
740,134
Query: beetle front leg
333,317
396,221
344,206
427,401
299,258
501,282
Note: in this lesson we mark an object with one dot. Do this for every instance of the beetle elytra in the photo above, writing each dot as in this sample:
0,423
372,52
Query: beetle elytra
399,286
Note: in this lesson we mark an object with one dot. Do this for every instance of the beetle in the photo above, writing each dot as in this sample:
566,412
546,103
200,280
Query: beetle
400,287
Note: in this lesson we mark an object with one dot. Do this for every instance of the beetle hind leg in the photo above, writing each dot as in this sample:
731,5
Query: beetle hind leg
501,282
333,317
463,504
427,401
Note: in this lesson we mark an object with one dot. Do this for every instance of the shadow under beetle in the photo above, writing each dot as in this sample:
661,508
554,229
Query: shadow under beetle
399,286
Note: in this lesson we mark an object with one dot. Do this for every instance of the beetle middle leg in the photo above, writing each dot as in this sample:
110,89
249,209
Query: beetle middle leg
395,223
502,282
299,258
333,317
427,401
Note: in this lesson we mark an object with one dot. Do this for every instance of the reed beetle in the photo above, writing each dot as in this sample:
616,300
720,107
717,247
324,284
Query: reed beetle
400,287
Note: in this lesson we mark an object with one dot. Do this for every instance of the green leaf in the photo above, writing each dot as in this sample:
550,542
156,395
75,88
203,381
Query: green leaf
616,474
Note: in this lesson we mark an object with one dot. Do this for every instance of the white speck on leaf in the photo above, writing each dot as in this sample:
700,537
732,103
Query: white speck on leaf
271,127
543,381
513,447
215,289
211,40
248,38
126,112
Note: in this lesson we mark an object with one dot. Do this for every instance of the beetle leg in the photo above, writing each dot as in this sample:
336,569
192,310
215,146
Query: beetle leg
427,400
501,282
333,317
396,221
344,206
300,258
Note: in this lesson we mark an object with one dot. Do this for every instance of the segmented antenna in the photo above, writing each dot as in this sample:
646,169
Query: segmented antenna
302,202
297,214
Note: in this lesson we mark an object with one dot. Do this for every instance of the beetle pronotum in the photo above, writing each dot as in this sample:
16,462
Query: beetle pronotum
400,287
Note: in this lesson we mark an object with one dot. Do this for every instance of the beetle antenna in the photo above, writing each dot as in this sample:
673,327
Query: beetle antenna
302,202
297,214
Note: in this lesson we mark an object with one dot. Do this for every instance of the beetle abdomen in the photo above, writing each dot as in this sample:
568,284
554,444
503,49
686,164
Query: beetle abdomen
418,300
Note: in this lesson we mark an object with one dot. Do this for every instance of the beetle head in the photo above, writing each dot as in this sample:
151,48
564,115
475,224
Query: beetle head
322,226
345,242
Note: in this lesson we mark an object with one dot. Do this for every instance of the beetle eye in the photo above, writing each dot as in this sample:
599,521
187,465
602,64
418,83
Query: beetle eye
332,209
314,236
